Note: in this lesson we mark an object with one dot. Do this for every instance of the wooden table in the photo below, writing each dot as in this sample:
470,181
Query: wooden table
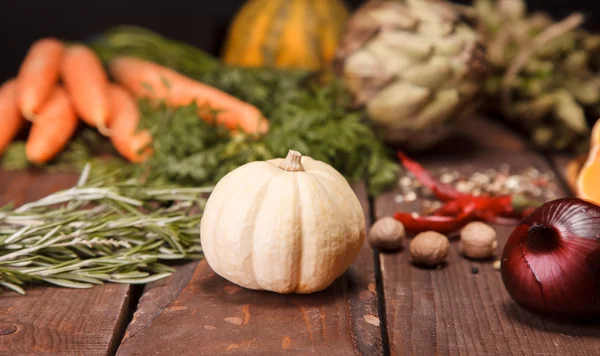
382,305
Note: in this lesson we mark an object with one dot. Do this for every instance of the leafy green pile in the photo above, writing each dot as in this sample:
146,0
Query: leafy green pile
304,115
196,152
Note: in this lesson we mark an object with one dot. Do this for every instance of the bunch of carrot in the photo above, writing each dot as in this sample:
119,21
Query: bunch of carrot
57,84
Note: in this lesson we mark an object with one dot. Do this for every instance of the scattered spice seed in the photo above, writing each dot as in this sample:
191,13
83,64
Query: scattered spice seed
430,206
474,270
406,181
399,199
530,182
496,265
446,178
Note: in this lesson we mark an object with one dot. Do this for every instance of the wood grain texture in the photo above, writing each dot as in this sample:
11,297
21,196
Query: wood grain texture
567,167
451,311
203,314
52,320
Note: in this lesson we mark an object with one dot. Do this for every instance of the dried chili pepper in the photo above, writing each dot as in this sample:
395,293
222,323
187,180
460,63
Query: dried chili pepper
441,224
460,208
500,205
508,206
442,191
451,208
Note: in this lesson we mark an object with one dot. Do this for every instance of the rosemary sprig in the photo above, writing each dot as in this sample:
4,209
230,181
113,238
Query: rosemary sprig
100,231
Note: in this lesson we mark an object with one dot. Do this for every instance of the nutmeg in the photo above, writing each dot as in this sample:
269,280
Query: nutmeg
387,234
429,248
478,240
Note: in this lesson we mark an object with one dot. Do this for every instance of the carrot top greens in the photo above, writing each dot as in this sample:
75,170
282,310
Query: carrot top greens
304,115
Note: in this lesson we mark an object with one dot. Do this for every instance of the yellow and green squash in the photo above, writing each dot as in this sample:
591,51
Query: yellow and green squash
293,34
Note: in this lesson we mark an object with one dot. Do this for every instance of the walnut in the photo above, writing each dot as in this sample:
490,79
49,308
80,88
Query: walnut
387,234
429,248
478,240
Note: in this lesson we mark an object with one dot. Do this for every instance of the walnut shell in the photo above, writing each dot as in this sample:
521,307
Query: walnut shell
429,248
387,234
478,240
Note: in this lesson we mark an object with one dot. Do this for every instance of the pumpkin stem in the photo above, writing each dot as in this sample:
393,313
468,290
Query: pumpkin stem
292,163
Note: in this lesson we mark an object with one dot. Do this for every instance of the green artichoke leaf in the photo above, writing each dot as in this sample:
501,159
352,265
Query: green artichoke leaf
569,112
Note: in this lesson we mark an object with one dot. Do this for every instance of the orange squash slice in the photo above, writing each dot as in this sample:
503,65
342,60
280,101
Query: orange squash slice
588,181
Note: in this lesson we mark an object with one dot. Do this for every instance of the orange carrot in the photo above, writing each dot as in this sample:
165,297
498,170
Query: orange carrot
135,146
55,125
38,75
87,84
10,117
150,80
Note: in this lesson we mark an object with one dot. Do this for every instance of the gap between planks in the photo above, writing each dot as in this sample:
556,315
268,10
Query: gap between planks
129,308
381,309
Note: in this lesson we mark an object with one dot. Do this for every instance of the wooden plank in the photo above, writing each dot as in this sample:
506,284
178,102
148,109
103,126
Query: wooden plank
196,312
52,320
567,166
452,311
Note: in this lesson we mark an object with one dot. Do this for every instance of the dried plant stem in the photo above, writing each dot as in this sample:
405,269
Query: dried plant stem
573,21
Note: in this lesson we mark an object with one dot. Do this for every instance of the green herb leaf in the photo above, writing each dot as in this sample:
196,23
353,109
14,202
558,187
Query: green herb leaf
96,232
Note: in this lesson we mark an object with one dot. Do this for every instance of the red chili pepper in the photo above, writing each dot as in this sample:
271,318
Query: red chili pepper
460,208
494,206
442,191
500,206
441,224
451,208
508,206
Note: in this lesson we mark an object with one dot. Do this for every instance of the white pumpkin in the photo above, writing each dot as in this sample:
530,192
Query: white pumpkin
287,226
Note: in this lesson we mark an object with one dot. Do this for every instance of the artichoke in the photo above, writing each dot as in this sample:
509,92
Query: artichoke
415,67
544,75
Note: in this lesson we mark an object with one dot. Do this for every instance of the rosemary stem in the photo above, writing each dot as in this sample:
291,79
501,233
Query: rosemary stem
26,251
99,231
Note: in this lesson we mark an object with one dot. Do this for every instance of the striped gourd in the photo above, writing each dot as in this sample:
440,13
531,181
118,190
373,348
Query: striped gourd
299,34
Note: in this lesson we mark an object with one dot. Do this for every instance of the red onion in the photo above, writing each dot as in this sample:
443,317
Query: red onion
551,262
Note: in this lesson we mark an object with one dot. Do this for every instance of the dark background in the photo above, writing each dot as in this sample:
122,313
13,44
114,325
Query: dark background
200,22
